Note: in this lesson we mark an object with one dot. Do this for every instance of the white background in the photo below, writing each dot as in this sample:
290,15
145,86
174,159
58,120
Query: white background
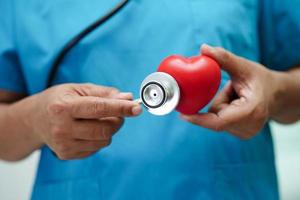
16,179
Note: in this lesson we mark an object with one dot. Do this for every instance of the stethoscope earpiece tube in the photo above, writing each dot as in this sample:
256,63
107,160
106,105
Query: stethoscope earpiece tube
74,41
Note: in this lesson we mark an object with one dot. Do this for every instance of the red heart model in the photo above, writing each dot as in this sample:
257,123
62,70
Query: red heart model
198,78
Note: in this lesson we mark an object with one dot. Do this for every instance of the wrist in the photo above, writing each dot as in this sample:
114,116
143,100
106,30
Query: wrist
279,84
22,114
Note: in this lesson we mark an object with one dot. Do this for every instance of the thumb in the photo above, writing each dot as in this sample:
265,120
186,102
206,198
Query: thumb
229,62
223,98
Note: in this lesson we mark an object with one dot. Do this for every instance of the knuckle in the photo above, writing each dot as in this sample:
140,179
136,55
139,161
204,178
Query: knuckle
220,49
125,110
66,99
63,156
84,155
226,56
88,85
57,132
114,127
56,107
259,113
113,90
99,107
104,132
62,148
246,135
107,142
219,127
214,108
60,156
107,91
120,122
95,132
255,130
96,146
102,144
247,112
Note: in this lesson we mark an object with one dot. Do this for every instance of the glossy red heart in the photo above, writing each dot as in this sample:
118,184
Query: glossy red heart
198,78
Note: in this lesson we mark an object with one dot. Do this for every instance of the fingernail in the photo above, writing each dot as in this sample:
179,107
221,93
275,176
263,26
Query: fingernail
206,46
125,95
136,110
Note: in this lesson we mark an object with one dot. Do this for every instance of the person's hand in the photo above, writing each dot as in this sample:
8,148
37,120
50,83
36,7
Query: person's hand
77,120
244,105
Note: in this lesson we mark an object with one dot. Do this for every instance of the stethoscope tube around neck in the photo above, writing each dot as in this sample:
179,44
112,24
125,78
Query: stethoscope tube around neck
75,40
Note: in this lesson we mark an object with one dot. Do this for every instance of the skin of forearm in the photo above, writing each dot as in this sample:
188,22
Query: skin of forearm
286,106
17,140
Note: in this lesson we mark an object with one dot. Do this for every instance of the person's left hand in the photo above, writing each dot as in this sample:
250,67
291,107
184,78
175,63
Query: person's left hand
244,105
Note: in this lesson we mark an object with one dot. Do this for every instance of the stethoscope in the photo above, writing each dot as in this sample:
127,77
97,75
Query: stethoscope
159,92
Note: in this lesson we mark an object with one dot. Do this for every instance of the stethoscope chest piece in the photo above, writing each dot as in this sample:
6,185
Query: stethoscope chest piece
160,93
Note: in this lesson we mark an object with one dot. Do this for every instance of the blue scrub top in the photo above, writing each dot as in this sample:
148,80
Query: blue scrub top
151,157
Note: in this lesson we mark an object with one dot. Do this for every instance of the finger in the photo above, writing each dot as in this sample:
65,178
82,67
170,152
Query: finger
223,98
92,145
82,155
207,120
101,91
237,111
75,155
124,96
71,149
78,146
225,119
95,108
231,63
89,89
96,129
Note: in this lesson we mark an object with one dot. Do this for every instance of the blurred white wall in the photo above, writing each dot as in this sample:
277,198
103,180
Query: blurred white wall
16,179
287,147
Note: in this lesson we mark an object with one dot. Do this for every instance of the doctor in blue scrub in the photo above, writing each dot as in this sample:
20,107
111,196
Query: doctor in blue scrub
94,141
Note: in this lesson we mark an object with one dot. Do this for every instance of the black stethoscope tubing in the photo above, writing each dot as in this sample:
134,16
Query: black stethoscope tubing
75,40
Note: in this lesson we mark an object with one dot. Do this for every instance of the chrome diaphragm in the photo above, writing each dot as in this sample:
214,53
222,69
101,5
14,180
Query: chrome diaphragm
160,93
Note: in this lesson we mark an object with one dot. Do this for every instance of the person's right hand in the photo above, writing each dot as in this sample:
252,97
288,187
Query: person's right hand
77,120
